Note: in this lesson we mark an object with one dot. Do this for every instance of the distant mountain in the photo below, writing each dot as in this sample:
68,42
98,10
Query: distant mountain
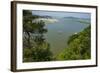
81,20
71,17
41,16
76,18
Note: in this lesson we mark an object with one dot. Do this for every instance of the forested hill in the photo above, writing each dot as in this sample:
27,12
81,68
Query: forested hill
79,46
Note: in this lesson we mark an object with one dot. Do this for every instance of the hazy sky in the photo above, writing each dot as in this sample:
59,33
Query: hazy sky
61,14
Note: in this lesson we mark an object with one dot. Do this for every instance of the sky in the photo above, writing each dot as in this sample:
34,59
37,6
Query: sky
61,14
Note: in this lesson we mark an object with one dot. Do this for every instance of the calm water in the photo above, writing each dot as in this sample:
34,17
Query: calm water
59,32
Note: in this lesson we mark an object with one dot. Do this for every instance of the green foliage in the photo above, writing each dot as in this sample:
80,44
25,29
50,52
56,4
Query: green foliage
71,38
35,47
37,54
79,46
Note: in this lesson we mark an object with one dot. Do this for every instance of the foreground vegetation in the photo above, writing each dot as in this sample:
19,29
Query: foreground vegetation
35,47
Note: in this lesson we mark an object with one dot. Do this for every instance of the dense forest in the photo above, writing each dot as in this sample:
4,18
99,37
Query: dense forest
36,48
79,46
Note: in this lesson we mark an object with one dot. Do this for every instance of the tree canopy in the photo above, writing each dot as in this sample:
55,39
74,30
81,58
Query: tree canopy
35,47
79,46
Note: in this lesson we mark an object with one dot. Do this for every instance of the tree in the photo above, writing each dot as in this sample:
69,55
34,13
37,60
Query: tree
34,43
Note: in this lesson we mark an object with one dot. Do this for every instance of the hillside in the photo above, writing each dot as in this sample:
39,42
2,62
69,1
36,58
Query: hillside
79,46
